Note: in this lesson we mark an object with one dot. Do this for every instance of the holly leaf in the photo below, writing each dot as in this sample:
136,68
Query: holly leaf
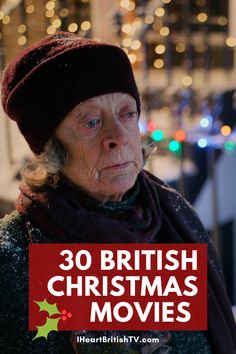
51,324
50,308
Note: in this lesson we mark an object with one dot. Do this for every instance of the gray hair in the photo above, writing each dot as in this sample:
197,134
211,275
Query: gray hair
44,170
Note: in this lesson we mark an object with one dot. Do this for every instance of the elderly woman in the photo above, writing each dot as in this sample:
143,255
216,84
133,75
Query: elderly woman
76,103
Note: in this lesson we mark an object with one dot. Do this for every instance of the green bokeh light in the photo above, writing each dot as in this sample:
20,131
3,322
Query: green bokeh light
229,145
157,135
174,146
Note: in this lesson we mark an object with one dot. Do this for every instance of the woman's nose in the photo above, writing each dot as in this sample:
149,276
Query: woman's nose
115,136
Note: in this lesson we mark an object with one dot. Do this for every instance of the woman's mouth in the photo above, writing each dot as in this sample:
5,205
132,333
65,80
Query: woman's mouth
118,166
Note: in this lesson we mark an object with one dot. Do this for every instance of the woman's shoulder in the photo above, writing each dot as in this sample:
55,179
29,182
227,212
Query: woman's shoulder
170,197
13,245
12,231
13,263
179,210
166,192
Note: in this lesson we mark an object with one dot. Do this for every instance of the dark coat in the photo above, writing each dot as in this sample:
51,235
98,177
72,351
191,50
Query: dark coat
179,224
14,335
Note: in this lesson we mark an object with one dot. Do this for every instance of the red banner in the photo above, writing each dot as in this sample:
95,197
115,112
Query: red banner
118,286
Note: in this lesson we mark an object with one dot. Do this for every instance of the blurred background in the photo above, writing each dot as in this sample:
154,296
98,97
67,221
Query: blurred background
183,56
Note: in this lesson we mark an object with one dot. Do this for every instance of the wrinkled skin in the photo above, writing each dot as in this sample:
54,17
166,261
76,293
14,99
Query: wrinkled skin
102,137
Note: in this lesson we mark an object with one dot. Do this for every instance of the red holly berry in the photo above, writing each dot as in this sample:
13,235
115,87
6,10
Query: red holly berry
65,315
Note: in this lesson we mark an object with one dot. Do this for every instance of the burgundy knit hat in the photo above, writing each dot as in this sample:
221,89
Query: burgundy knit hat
47,79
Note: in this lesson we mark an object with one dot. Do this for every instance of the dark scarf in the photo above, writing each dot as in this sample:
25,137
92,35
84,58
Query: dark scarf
159,214
67,215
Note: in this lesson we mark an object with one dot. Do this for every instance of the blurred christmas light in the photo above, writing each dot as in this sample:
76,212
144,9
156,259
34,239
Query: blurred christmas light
229,145
64,12
164,31
126,42
131,6
50,13
157,135
160,12
160,49
151,126
6,20
21,28
136,44
56,23
180,47
127,28
50,5
1,15
174,146
187,80
222,21
85,25
124,3
149,19
73,27
231,42
202,17
180,135
225,130
206,121
22,40
51,30
29,9
158,63
202,142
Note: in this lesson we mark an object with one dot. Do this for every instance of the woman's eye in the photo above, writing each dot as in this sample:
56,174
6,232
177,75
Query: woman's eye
129,115
92,123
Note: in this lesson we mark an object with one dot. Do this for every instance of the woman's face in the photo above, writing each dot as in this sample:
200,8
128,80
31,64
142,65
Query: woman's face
102,137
